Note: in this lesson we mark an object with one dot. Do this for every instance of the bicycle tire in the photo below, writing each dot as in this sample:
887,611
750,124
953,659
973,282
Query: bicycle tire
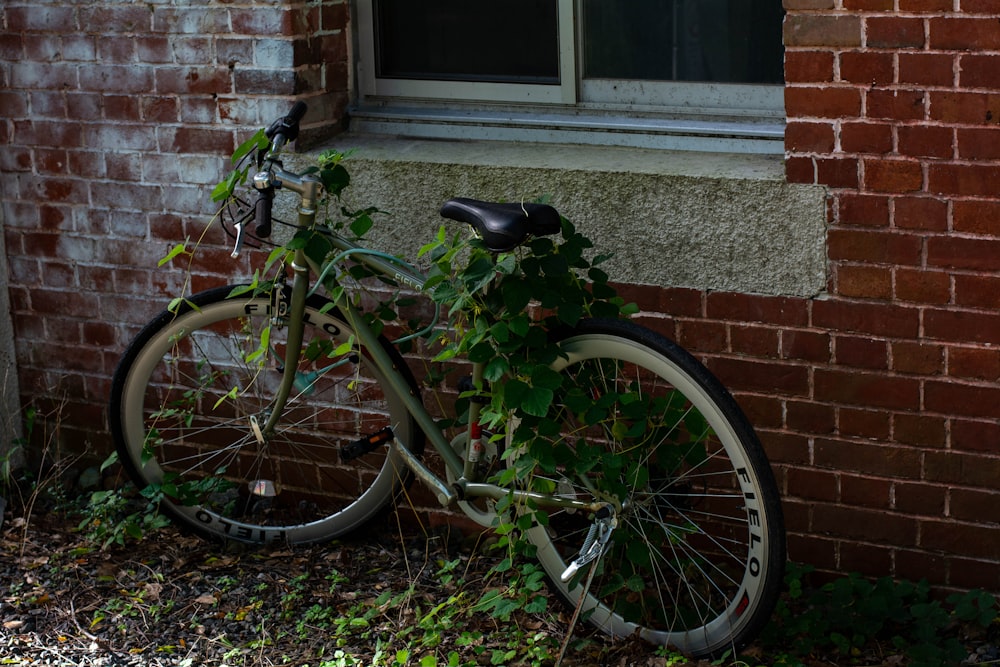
696,561
184,399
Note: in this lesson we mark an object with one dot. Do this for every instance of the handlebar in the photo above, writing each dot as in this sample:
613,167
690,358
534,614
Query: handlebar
280,132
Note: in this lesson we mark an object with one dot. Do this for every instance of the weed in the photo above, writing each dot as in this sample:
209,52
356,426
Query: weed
845,616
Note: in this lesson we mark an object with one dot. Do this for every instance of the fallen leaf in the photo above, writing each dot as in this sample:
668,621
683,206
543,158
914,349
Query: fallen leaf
207,598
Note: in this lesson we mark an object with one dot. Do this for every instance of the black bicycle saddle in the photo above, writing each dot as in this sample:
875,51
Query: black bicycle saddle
503,227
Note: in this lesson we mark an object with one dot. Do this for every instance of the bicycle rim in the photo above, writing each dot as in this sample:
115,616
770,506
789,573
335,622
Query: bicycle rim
193,392
697,557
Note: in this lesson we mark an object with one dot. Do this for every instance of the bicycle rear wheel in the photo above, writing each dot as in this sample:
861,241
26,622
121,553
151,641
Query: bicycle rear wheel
696,561
189,398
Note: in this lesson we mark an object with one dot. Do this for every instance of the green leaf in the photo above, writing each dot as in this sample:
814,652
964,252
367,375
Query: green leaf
536,401
174,252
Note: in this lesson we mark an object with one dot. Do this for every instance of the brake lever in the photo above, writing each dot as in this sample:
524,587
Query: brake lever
240,234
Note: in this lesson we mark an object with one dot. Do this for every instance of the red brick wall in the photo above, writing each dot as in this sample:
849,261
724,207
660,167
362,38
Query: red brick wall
114,117
877,403
892,422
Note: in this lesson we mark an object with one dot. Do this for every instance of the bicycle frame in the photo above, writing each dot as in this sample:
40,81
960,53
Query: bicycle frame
463,469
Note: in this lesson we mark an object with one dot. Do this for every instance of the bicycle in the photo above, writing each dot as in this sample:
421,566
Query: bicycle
662,519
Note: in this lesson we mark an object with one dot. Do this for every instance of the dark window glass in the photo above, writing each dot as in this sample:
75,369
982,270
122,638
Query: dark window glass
732,41
515,41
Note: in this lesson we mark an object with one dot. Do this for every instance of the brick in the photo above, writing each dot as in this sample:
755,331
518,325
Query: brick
837,172
974,435
264,82
865,137
194,20
747,375
263,21
920,430
962,326
979,71
974,363
754,341
806,345
863,423
950,397
197,80
977,291
754,308
866,317
153,49
978,143
115,49
920,498
196,140
875,246
120,79
868,458
675,301
963,253
54,190
808,66
857,388
812,418
975,505
866,559
121,108
825,102
800,169
811,484
867,67
861,491
822,30
871,526
863,209
703,336
976,217
964,34
895,104
967,108
894,32
40,18
968,180
919,358
865,282
868,5
861,352
809,137
48,104
979,541
39,75
762,411
927,69
920,212
970,574
931,141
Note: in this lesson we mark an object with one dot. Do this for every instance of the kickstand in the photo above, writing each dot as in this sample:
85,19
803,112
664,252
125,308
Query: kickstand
593,550
576,612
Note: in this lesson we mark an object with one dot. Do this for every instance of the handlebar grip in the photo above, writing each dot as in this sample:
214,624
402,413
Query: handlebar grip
286,129
263,213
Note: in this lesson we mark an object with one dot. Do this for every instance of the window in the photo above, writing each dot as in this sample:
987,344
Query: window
611,69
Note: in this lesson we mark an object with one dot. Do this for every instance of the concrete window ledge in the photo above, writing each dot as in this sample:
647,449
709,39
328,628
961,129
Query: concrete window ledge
708,221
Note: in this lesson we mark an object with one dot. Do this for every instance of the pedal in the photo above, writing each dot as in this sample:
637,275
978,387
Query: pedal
353,450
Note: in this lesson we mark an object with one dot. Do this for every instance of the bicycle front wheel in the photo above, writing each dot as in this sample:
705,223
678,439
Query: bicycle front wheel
696,560
194,390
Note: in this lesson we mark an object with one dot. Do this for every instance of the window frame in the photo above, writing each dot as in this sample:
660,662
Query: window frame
732,112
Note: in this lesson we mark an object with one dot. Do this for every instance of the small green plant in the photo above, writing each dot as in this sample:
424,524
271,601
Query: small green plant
846,616
116,515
